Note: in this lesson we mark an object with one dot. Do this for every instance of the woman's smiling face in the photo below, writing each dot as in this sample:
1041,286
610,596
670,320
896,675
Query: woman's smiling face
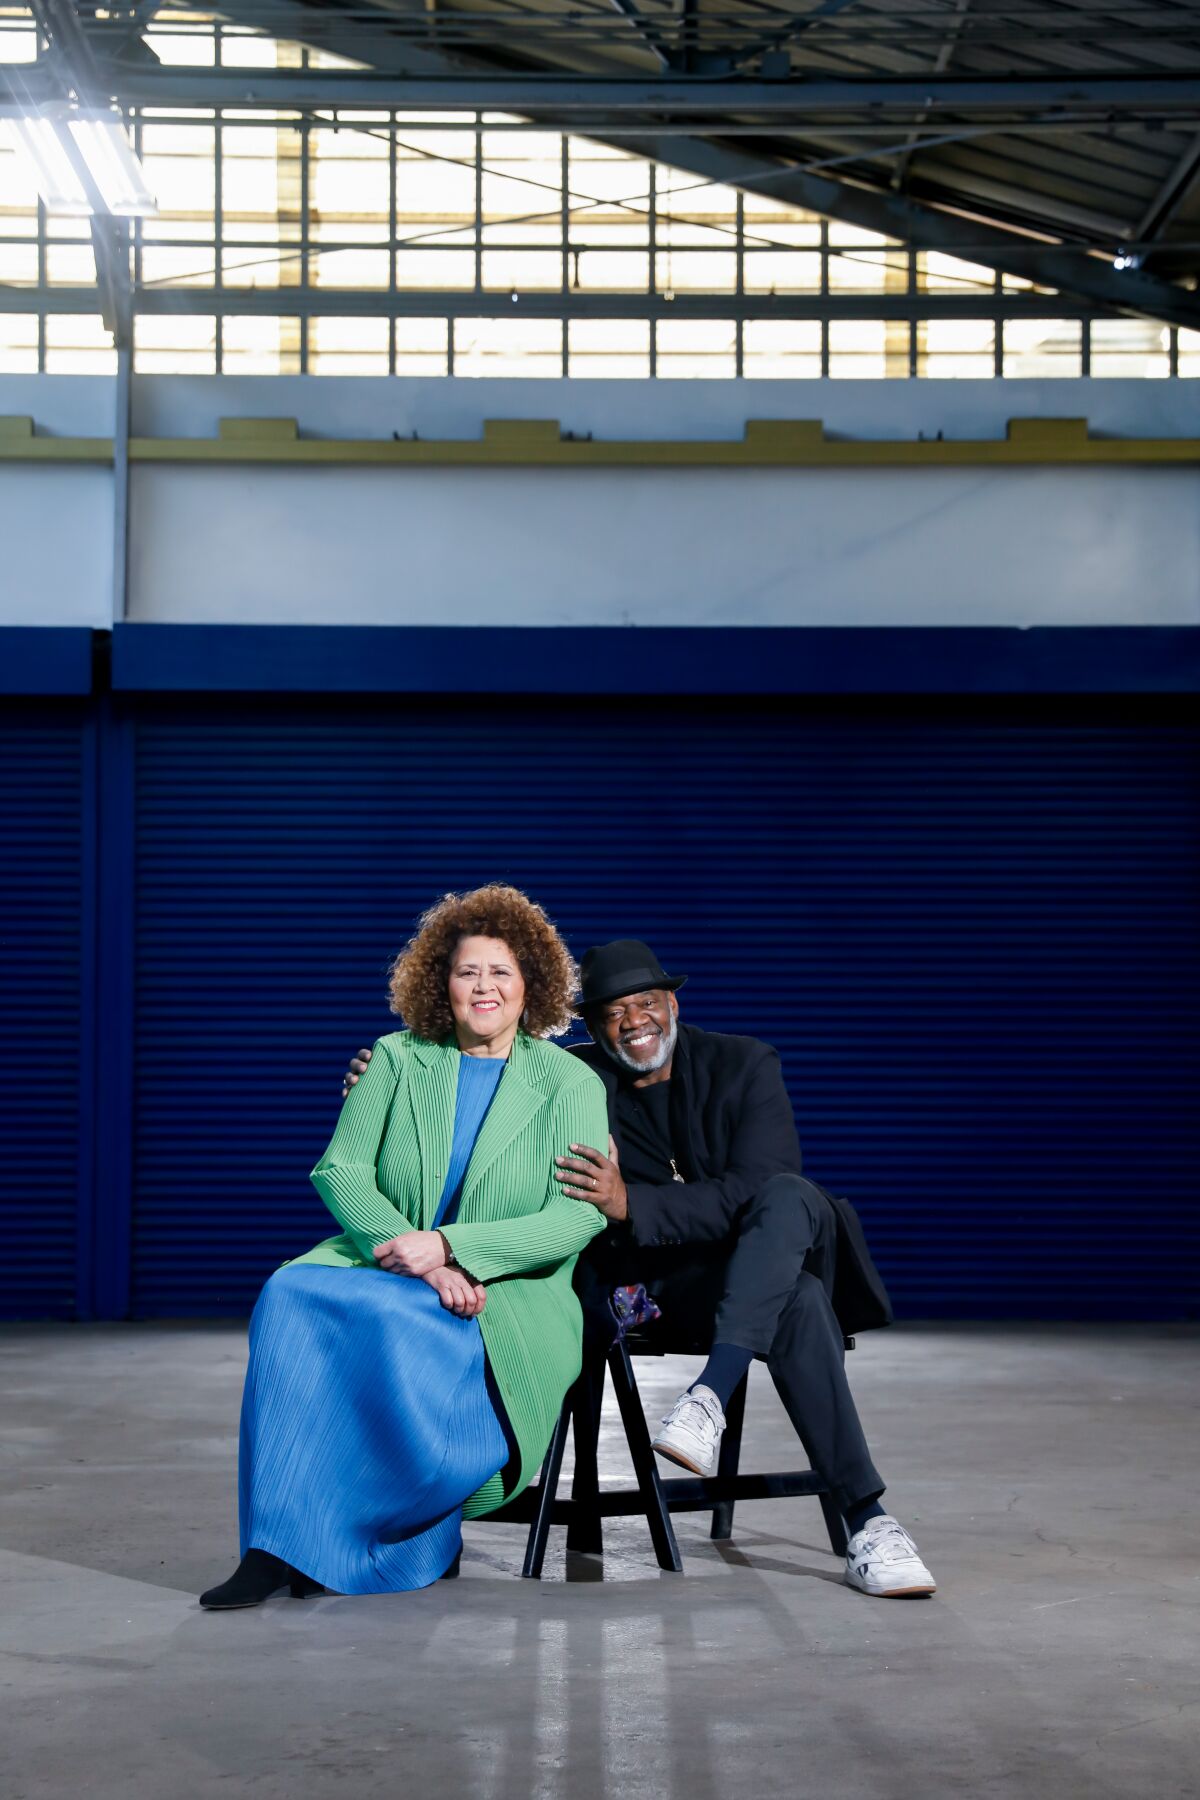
487,992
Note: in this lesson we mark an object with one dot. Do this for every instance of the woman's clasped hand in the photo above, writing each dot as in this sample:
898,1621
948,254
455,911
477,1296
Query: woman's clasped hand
423,1254
457,1292
412,1253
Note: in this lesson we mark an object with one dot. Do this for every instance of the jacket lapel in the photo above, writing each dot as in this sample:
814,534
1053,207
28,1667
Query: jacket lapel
432,1092
681,1108
515,1103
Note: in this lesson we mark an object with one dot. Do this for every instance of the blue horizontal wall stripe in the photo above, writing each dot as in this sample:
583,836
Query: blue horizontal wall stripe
972,939
656,660
45,659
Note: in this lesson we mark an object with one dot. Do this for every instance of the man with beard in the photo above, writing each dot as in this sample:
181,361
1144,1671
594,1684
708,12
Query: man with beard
706,1206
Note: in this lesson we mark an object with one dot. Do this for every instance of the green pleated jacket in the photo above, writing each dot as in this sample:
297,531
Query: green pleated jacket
516,1231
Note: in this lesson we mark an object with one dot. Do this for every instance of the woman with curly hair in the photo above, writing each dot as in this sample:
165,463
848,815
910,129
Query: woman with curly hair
409,1371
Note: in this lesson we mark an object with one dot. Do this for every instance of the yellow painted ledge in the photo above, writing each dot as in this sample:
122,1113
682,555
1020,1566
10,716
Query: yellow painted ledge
541,443
20,443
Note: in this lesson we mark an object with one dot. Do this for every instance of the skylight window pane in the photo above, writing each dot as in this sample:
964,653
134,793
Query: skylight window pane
697,348
1131,348
421,346
349,268
696,271
951,275
348,189
610,271
781,272
174,344
432,192
525,232
781,348
869,272
70,265
254,346
348,346
192,267
78,344
433,267
956,349
246,266
532,269
18,264
1042,347
18,343
508,347
607,349
858,350
18,39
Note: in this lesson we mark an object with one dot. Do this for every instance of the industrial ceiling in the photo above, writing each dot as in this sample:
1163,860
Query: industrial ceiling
1057,140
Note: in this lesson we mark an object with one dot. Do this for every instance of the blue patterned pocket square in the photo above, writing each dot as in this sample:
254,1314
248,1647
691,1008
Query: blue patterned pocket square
632,1306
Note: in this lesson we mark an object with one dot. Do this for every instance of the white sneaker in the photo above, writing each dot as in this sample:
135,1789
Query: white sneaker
882,1559
691,1431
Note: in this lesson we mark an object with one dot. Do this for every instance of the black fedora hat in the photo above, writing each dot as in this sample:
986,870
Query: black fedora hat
626,966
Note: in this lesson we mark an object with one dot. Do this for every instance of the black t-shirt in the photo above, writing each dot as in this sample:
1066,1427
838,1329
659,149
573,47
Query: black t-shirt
644,1132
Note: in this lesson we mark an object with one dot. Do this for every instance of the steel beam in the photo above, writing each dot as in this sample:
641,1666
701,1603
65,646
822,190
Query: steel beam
324,27
540,96
1170,196
379,303
1086,277
646,29
121,423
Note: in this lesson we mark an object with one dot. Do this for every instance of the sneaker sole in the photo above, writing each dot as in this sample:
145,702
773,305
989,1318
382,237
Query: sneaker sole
892,1593
684,1462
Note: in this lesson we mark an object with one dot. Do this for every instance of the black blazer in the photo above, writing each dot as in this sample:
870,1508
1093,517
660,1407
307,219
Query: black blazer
732,1127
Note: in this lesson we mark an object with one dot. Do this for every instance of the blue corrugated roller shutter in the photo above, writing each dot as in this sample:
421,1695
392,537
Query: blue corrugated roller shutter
973,939
43,774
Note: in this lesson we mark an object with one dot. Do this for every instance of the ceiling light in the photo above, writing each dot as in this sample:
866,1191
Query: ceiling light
59,150
112,165
40,147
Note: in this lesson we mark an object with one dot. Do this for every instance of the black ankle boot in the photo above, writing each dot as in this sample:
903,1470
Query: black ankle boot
256,1578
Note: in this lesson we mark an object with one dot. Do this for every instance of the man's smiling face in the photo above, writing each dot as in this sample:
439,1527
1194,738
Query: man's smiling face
637,1029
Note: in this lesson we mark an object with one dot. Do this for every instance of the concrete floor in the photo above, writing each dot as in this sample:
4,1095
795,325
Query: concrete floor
1048,1474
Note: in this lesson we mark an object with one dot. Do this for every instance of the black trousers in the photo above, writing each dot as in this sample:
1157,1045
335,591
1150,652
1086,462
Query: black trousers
768,1289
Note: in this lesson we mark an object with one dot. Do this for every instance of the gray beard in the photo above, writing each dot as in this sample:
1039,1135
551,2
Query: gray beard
663,1054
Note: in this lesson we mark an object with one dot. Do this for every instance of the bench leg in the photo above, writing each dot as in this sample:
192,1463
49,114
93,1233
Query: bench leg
539,1530
835,1525
662,1532
585,1533
727,1462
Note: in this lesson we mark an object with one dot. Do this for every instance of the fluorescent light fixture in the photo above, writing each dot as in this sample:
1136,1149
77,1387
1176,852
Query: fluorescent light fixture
56,150
39,146
112,165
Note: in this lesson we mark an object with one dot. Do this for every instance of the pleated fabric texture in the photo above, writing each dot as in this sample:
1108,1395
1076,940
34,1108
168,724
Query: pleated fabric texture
366,1422
384,1173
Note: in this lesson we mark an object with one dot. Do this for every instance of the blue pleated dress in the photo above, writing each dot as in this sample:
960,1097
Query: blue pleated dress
368,1417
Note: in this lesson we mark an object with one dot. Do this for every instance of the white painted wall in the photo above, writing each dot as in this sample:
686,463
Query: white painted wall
655,546
55,545
56,520
667,547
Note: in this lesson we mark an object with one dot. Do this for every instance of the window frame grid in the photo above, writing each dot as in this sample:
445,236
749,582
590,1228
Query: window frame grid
489,300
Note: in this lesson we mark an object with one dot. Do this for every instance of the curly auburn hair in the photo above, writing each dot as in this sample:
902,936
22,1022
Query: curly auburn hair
420,975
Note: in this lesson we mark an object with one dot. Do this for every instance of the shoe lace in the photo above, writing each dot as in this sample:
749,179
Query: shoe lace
694,1412
887,1541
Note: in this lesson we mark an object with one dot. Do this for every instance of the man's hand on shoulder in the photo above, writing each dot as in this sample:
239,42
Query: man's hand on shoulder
589,1175
358,1066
